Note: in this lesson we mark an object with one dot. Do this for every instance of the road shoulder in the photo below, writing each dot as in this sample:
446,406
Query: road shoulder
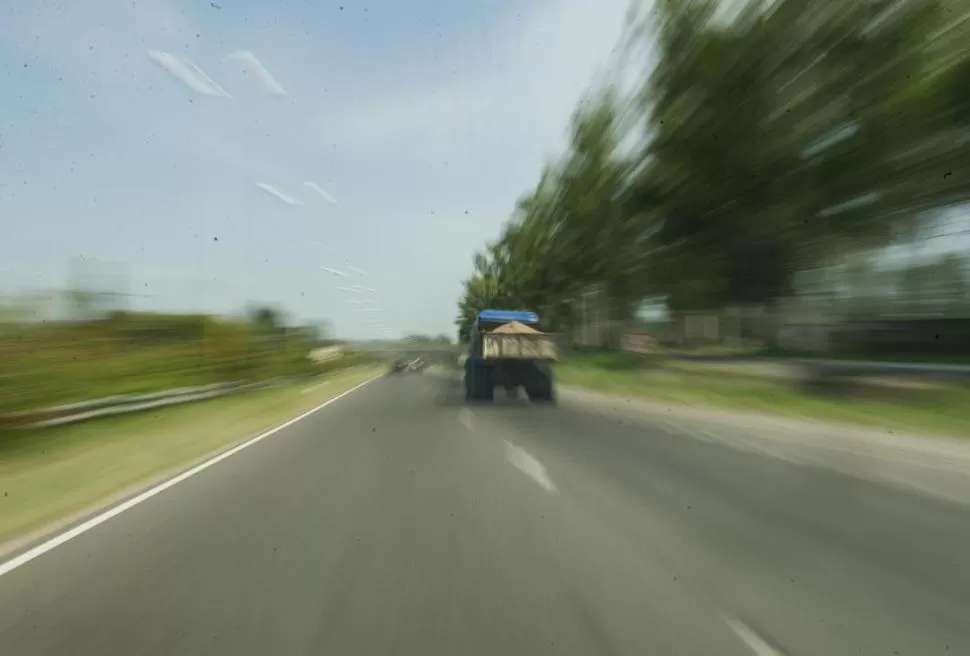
81,471
935,465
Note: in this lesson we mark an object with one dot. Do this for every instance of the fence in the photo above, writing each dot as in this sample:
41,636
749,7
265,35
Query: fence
638,342
810,324
326,353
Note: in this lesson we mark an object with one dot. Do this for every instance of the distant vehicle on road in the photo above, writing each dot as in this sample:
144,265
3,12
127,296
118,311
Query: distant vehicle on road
507,350
417,364
398,366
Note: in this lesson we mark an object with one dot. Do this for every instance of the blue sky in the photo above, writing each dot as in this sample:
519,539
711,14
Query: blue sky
423,120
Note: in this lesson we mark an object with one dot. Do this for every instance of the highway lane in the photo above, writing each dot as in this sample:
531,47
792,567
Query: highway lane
821,562
400,521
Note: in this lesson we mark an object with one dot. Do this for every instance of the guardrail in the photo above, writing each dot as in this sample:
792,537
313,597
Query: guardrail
125,403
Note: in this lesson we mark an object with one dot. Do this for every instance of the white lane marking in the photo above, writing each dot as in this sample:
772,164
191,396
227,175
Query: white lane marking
528,465
313,387
97,520
754,642
467,418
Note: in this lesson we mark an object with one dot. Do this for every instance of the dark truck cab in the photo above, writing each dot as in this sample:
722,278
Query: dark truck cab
507,350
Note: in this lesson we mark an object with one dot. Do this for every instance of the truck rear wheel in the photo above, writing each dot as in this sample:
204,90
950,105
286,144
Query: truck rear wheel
478,383
486,389
541,388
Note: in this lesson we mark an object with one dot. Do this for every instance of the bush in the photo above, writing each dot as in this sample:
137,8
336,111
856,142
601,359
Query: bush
52,363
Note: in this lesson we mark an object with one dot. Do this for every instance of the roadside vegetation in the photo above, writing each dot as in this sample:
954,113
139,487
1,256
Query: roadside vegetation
903,404
49,363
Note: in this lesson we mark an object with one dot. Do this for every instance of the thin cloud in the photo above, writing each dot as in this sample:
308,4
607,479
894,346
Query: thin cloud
252,66
188,73
335,272
356,270
317,188
278,193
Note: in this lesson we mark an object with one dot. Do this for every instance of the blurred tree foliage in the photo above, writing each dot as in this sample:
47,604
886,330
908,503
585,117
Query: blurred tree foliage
782,139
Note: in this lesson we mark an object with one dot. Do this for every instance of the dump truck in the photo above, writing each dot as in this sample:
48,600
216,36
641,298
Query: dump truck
506,349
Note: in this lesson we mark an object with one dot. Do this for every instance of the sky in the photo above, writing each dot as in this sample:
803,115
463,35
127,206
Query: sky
341,160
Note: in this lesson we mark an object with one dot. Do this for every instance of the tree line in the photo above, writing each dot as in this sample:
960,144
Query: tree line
756,146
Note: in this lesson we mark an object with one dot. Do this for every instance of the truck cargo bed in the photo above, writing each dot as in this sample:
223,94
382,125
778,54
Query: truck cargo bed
519,346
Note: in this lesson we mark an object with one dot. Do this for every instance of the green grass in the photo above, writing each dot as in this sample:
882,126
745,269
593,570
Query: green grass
611,361
945,410
718,350
51,474
909,358
47,376
45,364
764,352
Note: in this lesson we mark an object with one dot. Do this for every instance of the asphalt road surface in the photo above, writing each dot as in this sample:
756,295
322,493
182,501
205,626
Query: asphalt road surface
398,521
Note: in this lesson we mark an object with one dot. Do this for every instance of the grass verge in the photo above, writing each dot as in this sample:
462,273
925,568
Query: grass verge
905,358
47,376
945,410
51,474
728,352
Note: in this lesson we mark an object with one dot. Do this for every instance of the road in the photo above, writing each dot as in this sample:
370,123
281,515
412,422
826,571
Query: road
398,521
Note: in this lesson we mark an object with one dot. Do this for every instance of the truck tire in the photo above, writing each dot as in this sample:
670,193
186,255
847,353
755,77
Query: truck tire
470,387
478,383
486,390
541,388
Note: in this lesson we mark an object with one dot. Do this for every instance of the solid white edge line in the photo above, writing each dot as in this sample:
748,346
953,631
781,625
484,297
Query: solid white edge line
84,527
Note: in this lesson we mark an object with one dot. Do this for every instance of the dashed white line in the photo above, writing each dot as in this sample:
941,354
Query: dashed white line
754,642
528,465
58,540
467,418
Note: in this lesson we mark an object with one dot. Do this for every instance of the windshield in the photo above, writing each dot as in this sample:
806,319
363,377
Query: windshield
485,327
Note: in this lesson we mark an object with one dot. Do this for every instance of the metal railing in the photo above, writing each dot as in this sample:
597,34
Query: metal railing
125,403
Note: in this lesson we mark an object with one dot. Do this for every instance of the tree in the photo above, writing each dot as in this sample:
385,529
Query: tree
781,139
322,332
266,320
